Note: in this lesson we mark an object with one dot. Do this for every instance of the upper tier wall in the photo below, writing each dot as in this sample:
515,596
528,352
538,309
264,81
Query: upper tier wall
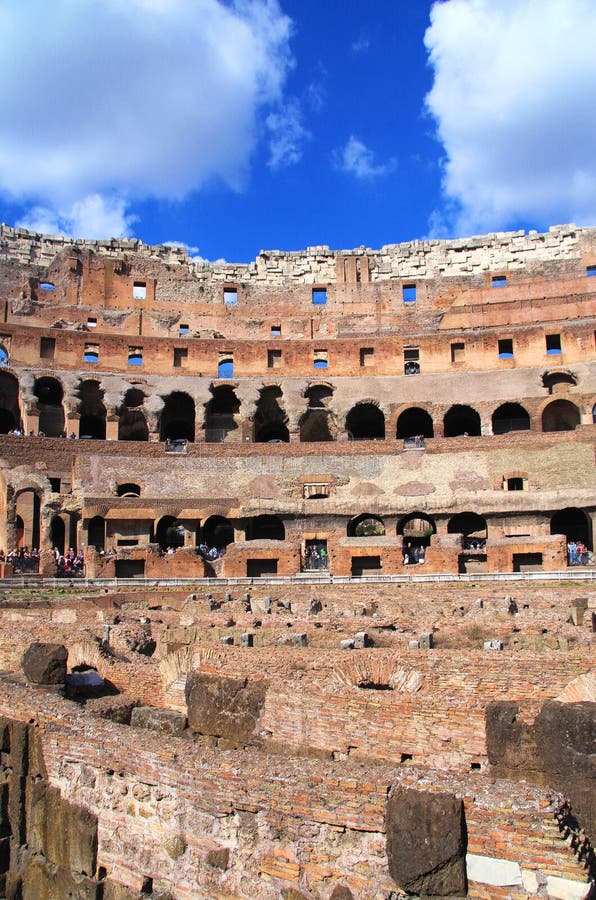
505,251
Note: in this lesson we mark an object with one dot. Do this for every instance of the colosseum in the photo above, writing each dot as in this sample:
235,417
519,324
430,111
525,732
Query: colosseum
297,571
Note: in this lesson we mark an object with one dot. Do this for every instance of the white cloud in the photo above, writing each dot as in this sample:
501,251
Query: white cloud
288,135
361,45
355,158
513,100
147,97
95,216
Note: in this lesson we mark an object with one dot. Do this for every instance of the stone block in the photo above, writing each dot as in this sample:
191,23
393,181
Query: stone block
227,640
347,644
493,871
166,721
63,832
425,641
218,858
222,707
413,645
361,640
566,889
426,842
45,663
246,639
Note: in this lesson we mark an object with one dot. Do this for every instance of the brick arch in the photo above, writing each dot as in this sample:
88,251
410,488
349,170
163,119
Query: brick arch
88,653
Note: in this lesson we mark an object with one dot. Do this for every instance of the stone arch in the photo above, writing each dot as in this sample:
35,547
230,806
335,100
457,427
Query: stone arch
468,524
270,420
418,528
50,396
267,528
414,421
132,424
461,420
560,415
10,411
89,655
365,422
96,533
169,533
217,532
128,489
221,413
177,419
574,523
28,509
510,417
92,422
366,525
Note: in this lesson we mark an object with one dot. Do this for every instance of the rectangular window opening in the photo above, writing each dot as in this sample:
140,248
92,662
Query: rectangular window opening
139,290
515,484
276,331
367,356
409,293
230,296
180,357
183,329
411,361
47,286
553,344
499,281
320,360
506,348
91,353
91,322
47,348
273,359
225,365
458,352
319,296
590,270
55,485
135,356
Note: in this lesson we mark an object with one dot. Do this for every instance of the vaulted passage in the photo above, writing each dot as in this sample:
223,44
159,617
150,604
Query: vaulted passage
132,424
270,417
177,418
218,532
414,421
366,525
10,413
92,423
220,413
510,417
365,422
560,415
49,393
266,528
574,524
169,533
461,421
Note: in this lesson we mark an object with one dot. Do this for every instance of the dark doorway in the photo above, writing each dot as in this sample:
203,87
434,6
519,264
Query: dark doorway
461,421
510,417
414,421
267,528
365,422
92,422
560,415
178,418
220,414
49,393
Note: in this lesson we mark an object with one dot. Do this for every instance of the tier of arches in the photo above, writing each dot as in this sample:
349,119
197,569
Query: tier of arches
268,421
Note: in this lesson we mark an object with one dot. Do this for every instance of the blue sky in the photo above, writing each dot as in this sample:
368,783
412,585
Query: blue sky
233,127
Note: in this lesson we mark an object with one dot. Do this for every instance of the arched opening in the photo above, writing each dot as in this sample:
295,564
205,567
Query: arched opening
225,367
414,421
577,528
270,417
178,418
558,380
96,533
85,683
220,414
58,534
92,422
472,528
461,421
10,413
560,415
169,533
416,531
267,528
128,489
28,510
49,393
314,426
132,424
510,417
365,422
366,525
218,532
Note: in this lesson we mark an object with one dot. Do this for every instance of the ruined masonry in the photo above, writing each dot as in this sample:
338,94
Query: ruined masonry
253,683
